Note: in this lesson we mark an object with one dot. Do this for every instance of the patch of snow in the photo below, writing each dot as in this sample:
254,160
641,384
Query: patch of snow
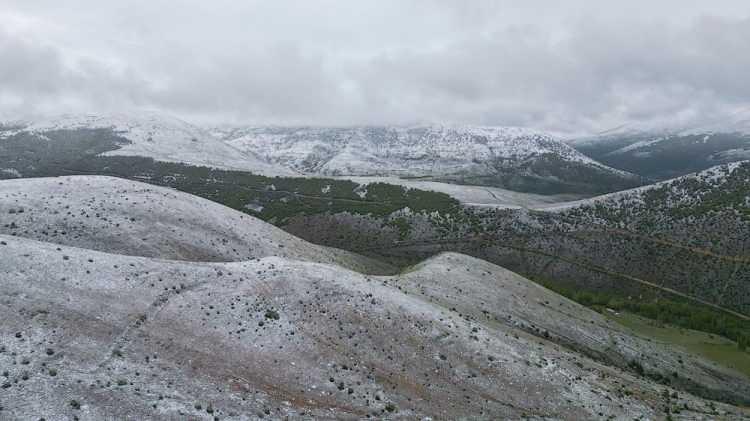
12,172
254,207
477,196
639,145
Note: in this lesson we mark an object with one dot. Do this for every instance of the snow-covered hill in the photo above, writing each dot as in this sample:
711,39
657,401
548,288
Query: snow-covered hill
133,218
157,136
493,156
102,336
688,190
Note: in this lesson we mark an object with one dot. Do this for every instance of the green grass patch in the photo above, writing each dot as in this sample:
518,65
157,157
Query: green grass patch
712,347
666,311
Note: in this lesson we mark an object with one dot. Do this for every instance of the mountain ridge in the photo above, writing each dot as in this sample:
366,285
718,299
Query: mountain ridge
507,157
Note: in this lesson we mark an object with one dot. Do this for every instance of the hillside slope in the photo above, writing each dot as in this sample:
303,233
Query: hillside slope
688,235
513,158
103,336
132,218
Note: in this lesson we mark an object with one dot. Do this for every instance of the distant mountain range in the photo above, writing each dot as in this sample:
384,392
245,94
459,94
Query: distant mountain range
507,157
662,153
512,158
516,159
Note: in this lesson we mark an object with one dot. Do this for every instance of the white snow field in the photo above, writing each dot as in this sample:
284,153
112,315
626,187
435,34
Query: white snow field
479,196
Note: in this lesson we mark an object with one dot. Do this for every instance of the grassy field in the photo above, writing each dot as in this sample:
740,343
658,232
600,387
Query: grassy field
712,347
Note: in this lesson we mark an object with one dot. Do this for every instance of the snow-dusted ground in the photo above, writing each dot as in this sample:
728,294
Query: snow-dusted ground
103,336
132,218
164,138
478,196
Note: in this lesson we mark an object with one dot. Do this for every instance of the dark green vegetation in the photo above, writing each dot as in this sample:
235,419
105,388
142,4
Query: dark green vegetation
75,152
675,156
273,199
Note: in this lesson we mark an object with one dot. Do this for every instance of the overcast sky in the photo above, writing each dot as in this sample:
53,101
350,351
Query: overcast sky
566,66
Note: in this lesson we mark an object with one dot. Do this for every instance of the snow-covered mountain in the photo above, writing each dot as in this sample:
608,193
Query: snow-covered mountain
507,157
663,152
513,158
154,135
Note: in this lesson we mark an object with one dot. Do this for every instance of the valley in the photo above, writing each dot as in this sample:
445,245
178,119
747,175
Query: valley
247,263
390,210
277,333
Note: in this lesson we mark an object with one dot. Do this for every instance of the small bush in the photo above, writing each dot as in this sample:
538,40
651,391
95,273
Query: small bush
272,315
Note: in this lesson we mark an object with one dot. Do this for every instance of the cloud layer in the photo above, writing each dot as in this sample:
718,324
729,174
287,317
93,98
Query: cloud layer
577,68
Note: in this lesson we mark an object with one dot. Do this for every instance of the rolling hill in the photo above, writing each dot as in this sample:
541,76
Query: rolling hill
131,218
116,336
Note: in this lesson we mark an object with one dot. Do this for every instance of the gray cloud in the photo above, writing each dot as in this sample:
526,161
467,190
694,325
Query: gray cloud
572,67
